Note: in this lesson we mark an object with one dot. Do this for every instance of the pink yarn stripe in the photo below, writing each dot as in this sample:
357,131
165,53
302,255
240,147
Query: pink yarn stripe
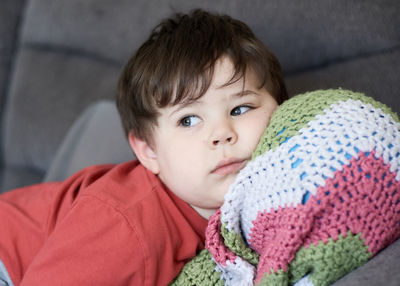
364,198
215,242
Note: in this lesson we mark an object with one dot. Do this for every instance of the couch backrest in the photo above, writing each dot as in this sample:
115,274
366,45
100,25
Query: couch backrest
10,15
72,51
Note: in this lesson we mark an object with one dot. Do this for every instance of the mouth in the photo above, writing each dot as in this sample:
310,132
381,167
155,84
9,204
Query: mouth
229,166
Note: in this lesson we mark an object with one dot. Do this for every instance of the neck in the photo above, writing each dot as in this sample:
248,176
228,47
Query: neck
205,213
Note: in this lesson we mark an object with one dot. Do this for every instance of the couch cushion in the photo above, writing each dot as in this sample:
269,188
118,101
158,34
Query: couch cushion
382,270
95,138
10,15
375,75
49,91
302,33
15,177
9,23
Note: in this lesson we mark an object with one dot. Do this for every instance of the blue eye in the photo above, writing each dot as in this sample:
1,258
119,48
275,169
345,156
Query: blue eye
240,110
189,121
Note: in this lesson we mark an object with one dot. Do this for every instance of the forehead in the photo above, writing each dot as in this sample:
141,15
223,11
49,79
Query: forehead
222,74
225,74
226,84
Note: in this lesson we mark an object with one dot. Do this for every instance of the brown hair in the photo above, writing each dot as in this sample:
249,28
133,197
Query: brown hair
176,65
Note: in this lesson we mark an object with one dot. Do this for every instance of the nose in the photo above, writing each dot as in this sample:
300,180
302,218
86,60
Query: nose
223,133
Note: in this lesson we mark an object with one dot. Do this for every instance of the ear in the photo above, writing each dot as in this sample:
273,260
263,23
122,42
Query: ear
144,153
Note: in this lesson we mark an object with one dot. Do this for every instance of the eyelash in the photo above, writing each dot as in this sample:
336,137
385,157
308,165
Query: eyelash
241,106
182,120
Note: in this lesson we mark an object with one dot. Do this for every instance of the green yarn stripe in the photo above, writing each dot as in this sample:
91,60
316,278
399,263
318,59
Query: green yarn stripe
325,263
295,114
199,271
238,246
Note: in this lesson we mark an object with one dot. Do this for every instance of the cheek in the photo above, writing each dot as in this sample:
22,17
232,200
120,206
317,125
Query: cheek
258,124
178,157
256,136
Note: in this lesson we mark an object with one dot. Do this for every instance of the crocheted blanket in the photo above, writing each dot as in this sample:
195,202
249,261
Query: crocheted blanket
320,197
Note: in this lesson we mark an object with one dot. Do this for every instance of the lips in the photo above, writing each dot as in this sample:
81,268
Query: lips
229,166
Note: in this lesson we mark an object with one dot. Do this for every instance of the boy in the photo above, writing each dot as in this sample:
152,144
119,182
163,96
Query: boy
194,101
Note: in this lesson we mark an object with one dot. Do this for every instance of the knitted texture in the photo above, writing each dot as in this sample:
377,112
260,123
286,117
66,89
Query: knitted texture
320,197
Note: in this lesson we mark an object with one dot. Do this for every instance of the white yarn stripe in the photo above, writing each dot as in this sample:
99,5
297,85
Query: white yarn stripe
328,142
238,273
241,273
304,282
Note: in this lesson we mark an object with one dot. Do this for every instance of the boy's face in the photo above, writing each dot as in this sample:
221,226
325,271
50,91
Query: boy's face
199,148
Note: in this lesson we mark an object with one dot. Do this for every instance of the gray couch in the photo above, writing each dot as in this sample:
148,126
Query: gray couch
60,61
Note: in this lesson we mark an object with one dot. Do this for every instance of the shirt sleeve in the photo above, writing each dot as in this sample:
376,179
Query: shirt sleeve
93,245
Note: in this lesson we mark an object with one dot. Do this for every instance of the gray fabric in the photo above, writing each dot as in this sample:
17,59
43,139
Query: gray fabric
382,270
95,138
49,91
5,279
10,12
302,33
19,176
377,76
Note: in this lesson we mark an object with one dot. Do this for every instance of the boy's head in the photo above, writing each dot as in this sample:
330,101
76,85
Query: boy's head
176,65
194,101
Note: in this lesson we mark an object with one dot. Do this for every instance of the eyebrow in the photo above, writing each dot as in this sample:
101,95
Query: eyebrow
181,106
245,92
191,102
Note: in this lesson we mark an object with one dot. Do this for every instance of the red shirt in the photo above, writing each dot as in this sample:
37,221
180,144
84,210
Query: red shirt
106,225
